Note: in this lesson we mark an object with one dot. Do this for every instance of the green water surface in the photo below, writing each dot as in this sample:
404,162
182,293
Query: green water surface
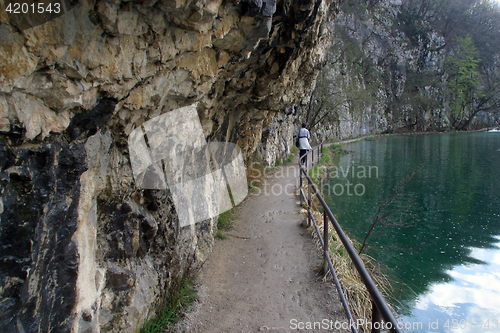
440,238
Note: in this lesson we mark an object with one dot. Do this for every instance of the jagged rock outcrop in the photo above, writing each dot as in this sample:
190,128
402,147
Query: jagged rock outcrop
82,248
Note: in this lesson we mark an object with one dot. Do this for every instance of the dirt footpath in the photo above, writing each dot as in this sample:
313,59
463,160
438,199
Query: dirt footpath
267,282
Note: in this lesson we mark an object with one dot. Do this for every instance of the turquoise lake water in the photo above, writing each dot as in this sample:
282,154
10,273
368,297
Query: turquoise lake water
440,239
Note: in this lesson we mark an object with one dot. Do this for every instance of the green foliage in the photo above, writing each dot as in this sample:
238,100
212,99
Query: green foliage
337,149
420,98
327,157
484,28
357,7
352,50
414,26
254,185
464,77
225,221
329,153
181,295
471,29
318,171
279,161
290,158
220,235
361,65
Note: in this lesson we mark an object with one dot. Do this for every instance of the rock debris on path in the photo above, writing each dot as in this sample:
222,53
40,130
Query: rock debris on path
269,281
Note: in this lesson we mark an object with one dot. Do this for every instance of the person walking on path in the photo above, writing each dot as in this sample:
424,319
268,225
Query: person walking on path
303,136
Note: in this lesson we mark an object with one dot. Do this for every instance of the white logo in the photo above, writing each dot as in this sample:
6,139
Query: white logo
169,151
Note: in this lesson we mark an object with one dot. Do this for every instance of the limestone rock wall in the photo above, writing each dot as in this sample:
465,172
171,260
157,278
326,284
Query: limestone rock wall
379,80
82,248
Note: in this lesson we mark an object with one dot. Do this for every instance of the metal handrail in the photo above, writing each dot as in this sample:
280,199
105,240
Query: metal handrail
380,309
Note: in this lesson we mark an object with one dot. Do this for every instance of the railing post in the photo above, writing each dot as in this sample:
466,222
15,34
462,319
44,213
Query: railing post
309,209
376,319
325,240
380,308
300,183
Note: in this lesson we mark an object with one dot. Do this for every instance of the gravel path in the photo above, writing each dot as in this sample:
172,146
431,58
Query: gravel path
267,282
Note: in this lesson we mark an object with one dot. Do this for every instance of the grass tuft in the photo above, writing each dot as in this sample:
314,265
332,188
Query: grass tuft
220,235
225,221
182,293
319,170
290,158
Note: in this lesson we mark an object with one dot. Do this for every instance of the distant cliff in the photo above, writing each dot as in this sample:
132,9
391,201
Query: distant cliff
390,69
83,248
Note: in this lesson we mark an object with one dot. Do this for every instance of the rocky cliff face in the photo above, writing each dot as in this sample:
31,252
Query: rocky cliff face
371,64
382,75
82,247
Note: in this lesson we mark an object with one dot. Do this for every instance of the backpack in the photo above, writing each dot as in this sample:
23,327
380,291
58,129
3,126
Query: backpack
297,143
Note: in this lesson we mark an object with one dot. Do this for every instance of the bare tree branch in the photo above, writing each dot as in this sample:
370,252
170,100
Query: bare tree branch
379,217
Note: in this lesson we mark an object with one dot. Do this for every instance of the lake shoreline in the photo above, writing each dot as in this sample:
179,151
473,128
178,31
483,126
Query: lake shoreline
406,133
453,221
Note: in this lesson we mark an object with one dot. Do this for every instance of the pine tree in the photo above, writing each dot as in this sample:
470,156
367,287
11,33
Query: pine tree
464,79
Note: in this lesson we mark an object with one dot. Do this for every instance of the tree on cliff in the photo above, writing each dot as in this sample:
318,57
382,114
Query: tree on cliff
472,64
464,82
436,66
331,92
474,84
323,102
